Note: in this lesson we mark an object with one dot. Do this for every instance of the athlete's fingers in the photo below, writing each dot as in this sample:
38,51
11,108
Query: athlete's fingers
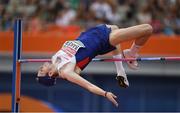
111,98
114,102
114,95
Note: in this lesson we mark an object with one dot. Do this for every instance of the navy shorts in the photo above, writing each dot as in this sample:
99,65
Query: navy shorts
96,41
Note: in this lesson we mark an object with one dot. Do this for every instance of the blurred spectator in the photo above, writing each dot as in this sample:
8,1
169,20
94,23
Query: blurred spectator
122,10
34,23
5,19
113,17
74,4
2,9
55,7
87,19
5,2
144,15
29,7
131,14
172,21
102,10
163,15
66,16
14,8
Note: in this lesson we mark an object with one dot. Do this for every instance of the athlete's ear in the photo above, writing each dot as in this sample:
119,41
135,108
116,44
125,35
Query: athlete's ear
53,73
50,73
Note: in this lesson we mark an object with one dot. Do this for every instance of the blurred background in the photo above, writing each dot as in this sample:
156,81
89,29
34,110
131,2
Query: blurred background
48,23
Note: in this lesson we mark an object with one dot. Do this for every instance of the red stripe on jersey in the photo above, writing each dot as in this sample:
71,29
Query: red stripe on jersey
83,63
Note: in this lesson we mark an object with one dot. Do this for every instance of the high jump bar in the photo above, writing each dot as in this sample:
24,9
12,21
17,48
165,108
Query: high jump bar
111,59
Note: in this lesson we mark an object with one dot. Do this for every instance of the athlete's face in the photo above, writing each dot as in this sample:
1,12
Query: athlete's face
47,69
44,69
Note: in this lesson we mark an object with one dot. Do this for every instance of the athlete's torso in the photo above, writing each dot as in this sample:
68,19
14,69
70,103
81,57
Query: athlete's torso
89,44
96,41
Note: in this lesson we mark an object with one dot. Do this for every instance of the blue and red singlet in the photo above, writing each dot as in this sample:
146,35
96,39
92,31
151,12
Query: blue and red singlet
96,42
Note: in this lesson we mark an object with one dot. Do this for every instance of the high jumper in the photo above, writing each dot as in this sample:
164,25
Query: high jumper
76,54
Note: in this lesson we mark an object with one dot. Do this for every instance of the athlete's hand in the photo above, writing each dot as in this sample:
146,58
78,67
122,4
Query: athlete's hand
111,97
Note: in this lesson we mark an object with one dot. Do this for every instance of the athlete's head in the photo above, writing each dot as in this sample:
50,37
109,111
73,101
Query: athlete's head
47,74
47,69
44,69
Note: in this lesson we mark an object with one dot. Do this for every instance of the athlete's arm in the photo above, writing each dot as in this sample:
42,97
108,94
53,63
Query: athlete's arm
67,72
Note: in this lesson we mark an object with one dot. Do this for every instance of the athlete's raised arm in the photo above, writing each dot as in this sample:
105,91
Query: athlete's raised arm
67,72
